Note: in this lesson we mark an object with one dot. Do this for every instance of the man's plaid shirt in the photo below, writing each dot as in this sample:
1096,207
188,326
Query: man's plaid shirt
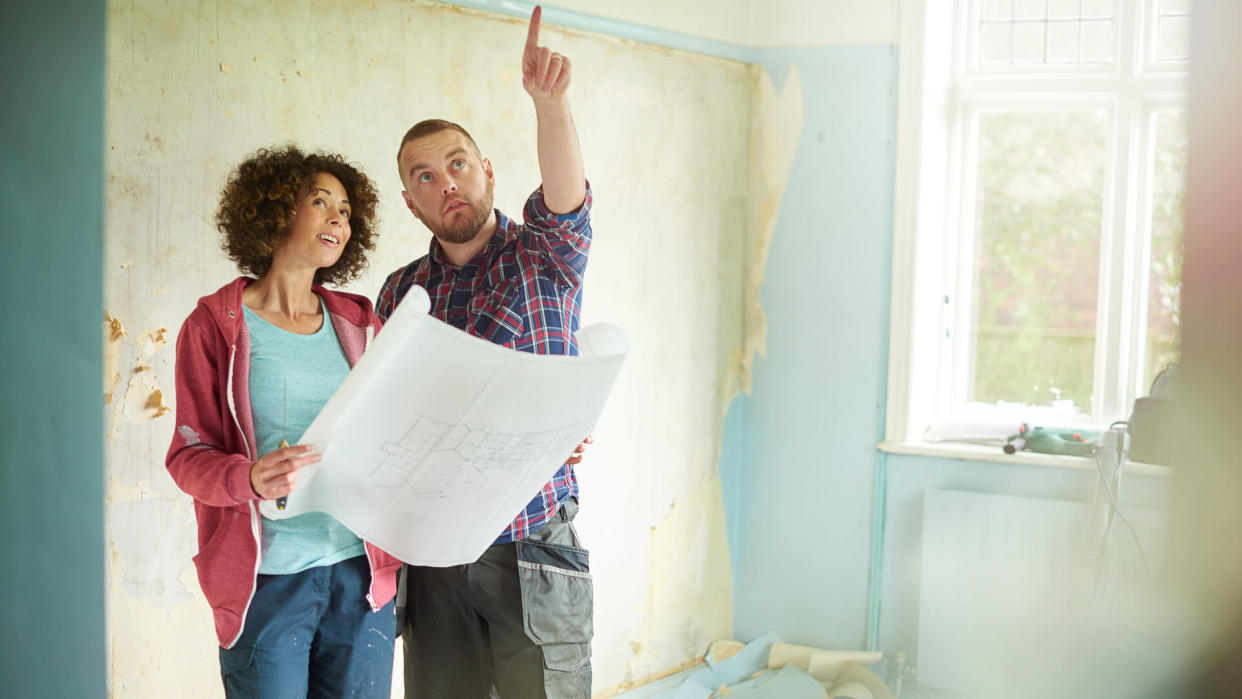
524,291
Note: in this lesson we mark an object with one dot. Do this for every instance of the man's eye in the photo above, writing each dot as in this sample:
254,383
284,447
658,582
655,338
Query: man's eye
424,178
459,164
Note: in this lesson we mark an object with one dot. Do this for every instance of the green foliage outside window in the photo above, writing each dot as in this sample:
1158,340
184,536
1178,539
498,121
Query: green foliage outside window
1040,203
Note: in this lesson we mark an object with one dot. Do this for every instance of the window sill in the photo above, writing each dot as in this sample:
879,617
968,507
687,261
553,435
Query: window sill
980,452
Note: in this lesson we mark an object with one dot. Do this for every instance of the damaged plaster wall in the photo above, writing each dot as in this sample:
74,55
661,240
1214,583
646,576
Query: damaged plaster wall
668,141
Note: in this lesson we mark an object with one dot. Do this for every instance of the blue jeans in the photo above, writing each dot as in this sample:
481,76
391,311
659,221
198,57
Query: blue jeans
312,634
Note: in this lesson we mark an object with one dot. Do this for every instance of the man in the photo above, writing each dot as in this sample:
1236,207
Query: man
518,620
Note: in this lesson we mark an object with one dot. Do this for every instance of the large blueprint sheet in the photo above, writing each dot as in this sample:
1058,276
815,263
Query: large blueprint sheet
437,439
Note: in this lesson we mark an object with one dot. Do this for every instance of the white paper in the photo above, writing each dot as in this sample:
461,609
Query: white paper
437,439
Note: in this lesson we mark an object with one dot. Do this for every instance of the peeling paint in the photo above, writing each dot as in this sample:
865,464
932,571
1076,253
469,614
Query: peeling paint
152,341
115,329
155,402
143,401
776,130
114,333
110,385
118,492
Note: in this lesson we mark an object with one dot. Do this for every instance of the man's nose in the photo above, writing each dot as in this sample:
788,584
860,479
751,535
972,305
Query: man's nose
450,186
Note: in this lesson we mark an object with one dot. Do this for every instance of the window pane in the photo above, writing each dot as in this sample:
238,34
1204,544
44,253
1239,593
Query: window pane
1028,42
1097,41
1168,202
1063,9
1063,42
994,43
1099,9
1040,202
1029,9
1048,31
996,9
1173,42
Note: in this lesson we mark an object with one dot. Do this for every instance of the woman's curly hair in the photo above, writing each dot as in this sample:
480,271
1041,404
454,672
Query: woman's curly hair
259,202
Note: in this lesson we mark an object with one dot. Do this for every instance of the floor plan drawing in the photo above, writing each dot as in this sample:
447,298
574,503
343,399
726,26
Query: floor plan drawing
437,439
466,455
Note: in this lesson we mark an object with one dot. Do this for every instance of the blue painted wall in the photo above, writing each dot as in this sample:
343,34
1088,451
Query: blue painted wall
801,514
51,422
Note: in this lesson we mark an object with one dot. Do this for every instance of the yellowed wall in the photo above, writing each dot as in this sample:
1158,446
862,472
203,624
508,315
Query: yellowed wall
194,87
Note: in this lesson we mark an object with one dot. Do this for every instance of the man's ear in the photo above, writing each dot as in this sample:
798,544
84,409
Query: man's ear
409,203
487,167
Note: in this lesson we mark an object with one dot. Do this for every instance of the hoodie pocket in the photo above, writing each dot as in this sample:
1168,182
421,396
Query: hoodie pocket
218,559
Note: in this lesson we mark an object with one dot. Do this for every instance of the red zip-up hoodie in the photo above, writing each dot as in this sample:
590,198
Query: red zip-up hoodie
213,447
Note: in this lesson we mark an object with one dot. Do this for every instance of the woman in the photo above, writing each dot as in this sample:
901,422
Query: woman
302,606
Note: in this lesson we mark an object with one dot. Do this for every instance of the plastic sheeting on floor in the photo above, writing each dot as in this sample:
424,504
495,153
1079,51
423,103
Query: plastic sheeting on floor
765,668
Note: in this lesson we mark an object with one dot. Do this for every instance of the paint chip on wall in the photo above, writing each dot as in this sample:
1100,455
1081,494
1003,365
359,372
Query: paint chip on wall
152,341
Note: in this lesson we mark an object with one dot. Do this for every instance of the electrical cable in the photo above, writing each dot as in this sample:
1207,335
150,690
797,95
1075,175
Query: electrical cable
1122,452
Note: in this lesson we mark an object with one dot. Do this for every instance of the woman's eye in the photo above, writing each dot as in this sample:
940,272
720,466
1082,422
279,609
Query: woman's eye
319,202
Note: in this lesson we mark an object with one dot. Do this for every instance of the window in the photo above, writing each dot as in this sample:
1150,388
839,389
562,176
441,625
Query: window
1037,259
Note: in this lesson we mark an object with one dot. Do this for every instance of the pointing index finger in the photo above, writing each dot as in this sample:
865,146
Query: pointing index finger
532,34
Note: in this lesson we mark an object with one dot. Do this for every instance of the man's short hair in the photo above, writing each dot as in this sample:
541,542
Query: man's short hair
427,127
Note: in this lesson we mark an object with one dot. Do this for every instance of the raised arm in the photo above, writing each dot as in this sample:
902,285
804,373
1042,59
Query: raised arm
545,75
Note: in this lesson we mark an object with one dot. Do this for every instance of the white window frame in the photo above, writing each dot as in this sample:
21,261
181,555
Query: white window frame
937,96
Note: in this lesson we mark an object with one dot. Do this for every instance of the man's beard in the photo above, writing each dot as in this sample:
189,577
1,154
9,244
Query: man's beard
465,229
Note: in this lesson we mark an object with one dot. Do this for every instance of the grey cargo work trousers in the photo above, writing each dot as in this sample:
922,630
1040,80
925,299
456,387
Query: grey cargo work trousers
515,624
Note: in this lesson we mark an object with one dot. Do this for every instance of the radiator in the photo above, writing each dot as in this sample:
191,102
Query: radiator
1004,579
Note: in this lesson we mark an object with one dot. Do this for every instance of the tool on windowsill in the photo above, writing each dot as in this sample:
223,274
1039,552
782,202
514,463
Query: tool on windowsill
1045,441
1016,442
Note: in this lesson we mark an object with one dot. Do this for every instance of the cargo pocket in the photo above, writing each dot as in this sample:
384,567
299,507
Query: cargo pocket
240,679
557,601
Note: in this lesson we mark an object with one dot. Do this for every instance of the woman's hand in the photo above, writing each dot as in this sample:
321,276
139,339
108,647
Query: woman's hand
275,474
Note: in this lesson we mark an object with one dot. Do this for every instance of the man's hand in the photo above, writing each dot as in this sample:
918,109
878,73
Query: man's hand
545,74
580,450
275,474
